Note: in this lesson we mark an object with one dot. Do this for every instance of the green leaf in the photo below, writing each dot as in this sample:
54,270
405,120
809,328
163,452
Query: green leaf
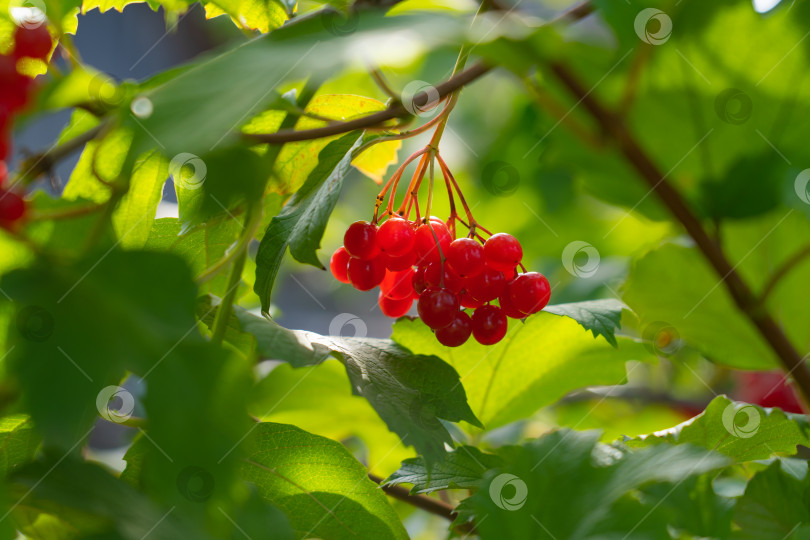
78,328
215,184
565,485
324,491
774,504
301,222
463,468
135,213
696,304
410,392
537,363
261,15
741,431
18,442
91,501
285,396
602,317
201,247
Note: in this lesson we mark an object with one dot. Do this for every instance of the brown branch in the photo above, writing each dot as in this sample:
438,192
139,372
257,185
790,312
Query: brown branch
372,120
786,267
398,110
428,504
43,162
740,292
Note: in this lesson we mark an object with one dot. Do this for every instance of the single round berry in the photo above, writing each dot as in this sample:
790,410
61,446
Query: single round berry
12,207
394,308
508,307
488,325
365,275
437,307
395,264
530,292
398,285
418,281
360,240
339,264
502,252
468,301
396,236
466,256
427,250
486,286
433,277
32,42
3,170
457,332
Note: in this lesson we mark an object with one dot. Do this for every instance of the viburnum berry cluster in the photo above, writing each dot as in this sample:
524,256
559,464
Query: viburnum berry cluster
15,93
463,286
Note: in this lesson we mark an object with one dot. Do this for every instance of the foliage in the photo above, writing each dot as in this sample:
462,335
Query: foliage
172,332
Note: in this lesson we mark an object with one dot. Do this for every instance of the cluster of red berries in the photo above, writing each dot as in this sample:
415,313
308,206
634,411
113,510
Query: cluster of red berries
422,261
15,93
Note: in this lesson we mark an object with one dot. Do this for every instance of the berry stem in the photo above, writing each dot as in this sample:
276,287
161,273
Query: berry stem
394,180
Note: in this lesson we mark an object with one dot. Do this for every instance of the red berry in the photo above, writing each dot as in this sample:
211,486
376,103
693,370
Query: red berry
360,240
468,301
433,277
508,307
530,292
12,207
466,256
437,307
425,244
339,264
398,285
418,281
396,264
488,325
396,237
486,286
32,42
502,252
14,87
457,332
365,275
394,308
4,148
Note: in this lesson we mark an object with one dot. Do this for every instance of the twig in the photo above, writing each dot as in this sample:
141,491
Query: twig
428,504
43,162
740,292
372,120
786,267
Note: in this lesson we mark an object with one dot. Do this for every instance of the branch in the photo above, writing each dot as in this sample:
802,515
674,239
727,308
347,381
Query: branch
43,162
397,110
740,292
372,120
428,504
786,267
